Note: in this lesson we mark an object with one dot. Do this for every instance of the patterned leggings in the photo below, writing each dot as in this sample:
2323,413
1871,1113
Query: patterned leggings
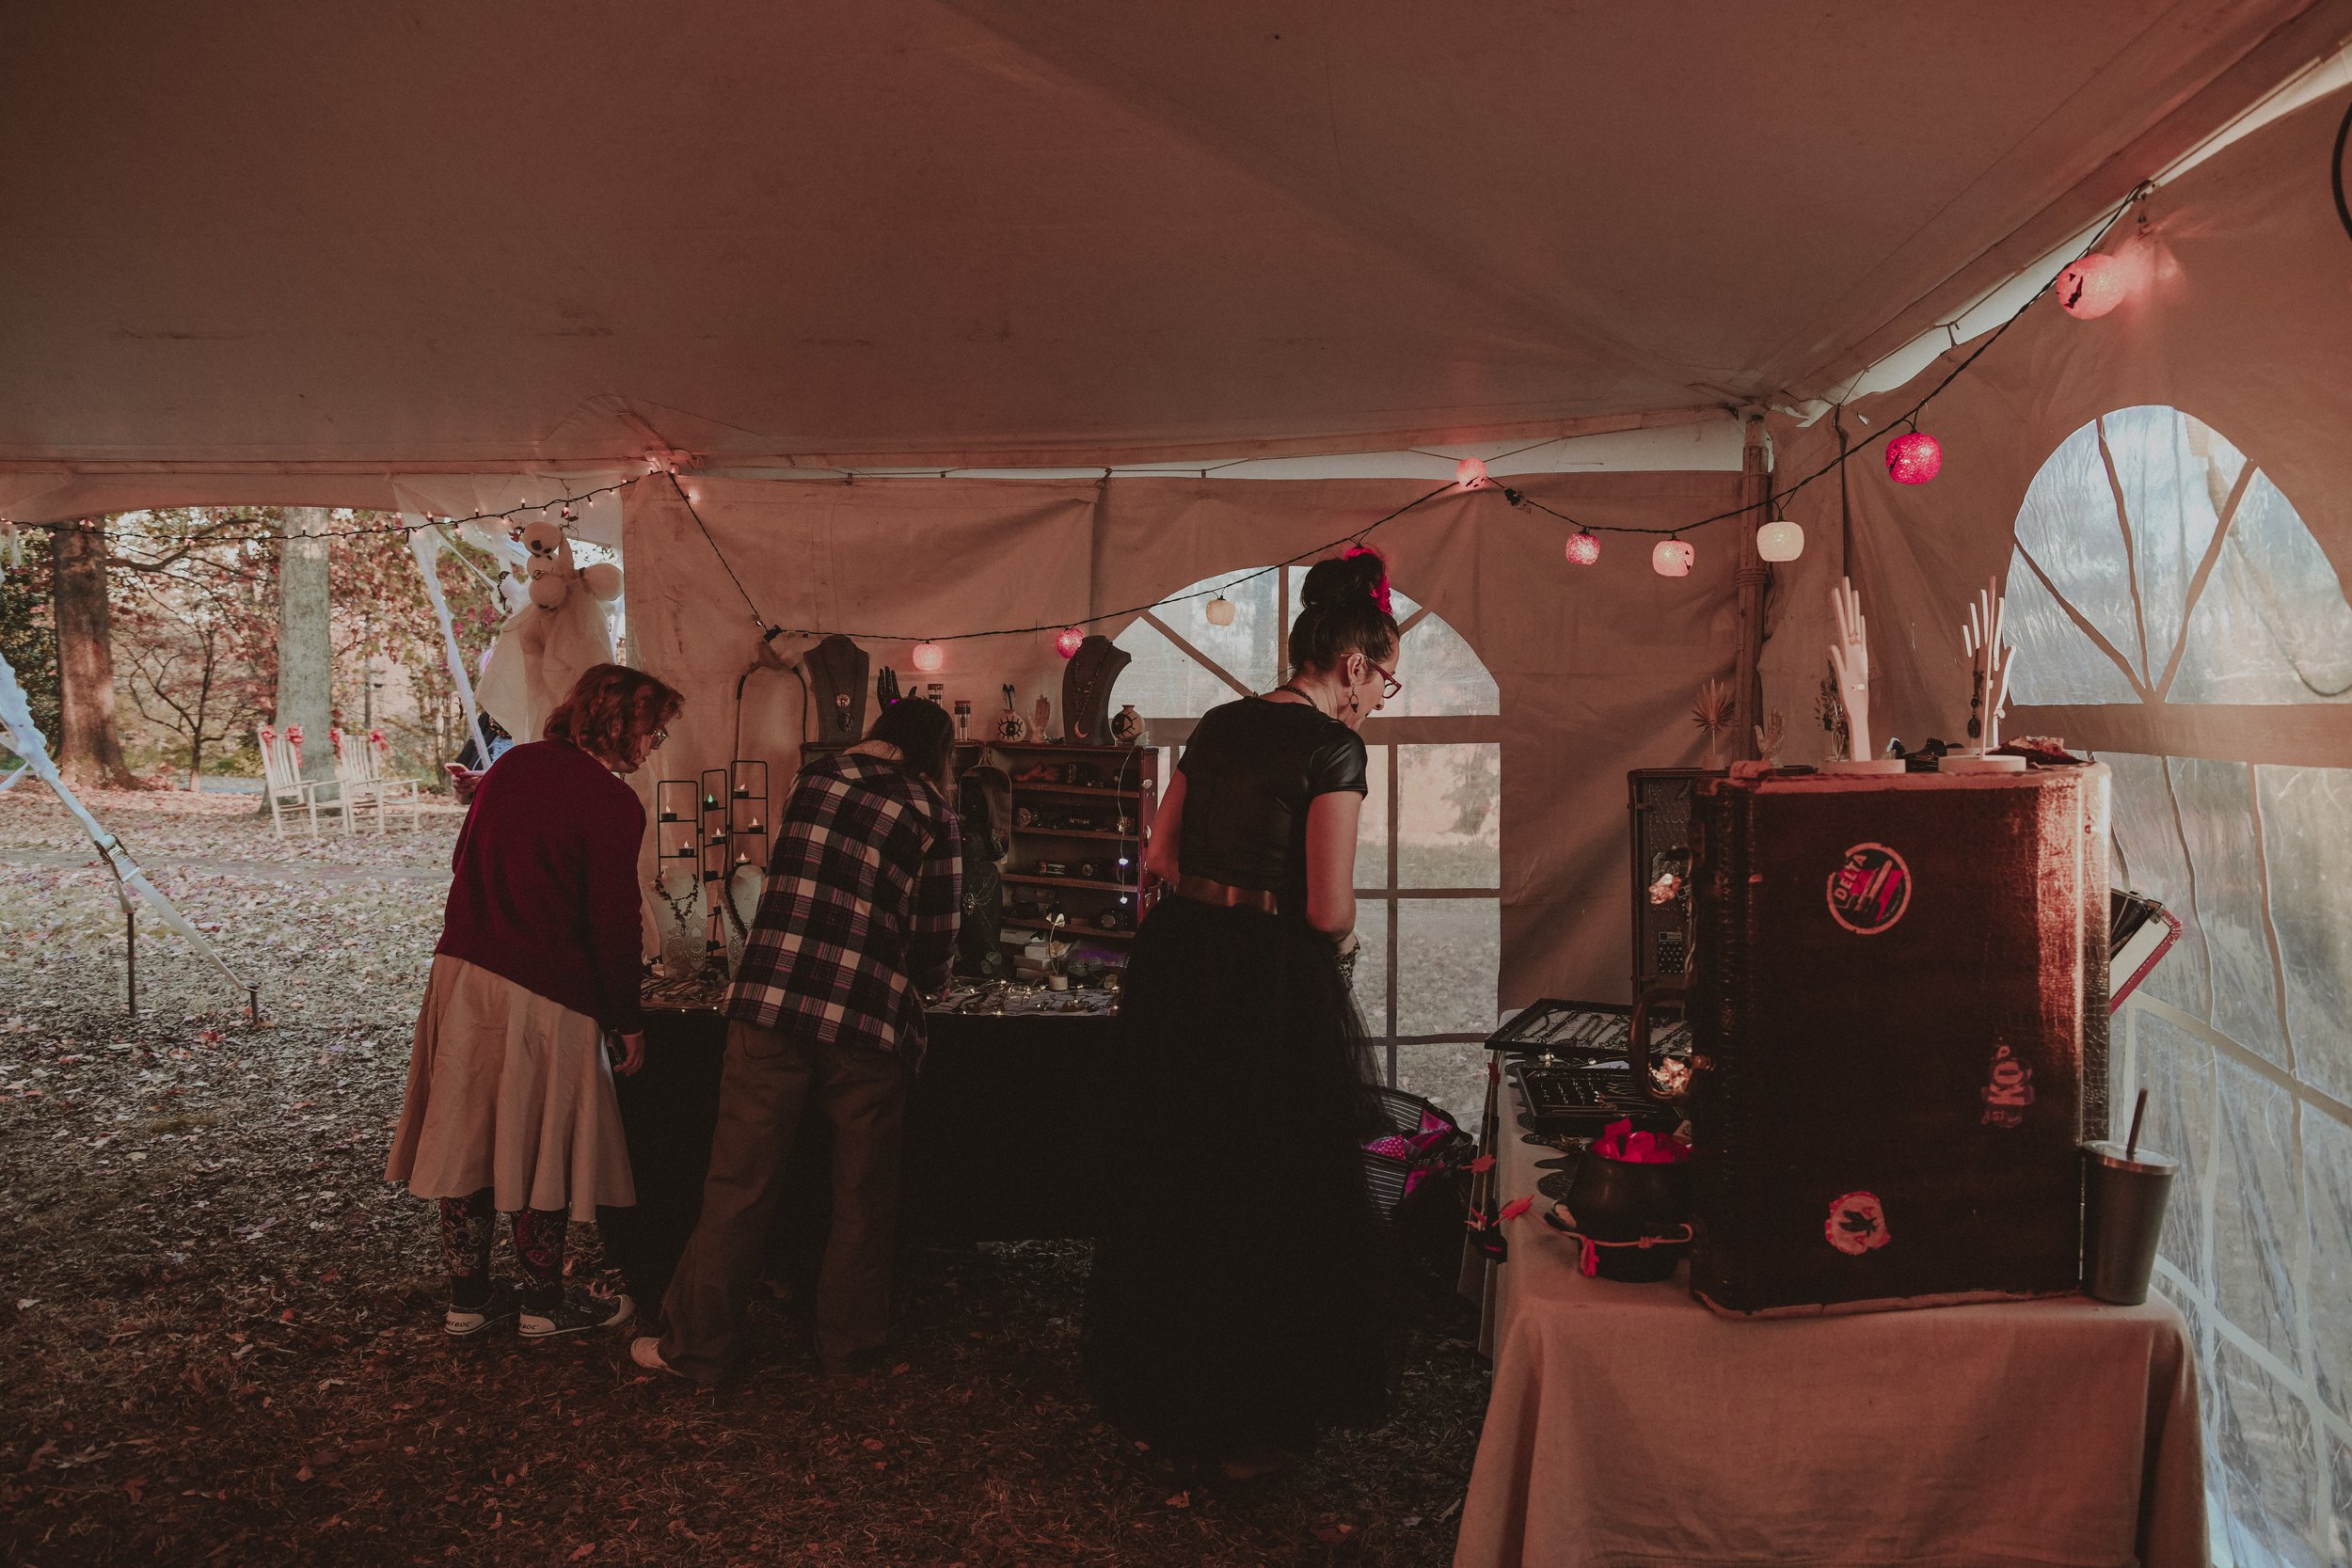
469,1224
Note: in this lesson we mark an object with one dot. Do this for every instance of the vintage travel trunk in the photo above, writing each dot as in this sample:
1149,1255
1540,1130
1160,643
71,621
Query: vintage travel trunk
1899,1027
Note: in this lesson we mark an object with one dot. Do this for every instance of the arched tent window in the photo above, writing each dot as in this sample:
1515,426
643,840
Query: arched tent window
1429,860
2162,587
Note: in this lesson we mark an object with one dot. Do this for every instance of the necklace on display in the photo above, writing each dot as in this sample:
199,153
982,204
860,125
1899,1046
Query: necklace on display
678,907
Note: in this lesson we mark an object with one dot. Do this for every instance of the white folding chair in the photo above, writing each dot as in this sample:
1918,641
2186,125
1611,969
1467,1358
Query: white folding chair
283,784
359,773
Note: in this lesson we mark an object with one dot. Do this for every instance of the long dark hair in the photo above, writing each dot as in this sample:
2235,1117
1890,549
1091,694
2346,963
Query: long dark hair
1346,611
924,736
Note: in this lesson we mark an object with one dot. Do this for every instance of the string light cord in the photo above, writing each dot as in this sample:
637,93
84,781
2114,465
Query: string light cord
271,536
758,620
1218,587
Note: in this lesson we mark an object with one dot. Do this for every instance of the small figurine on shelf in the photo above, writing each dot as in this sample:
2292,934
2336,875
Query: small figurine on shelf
1057,946
1041,717
1128,728
1768,735
1833,718
1712,712
1011,727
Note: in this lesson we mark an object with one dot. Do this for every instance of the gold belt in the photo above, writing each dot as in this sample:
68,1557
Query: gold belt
1208,890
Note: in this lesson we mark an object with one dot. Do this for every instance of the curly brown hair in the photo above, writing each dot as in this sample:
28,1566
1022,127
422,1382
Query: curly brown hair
611,707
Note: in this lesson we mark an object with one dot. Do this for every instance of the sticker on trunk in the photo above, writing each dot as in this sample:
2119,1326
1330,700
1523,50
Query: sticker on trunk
1870,890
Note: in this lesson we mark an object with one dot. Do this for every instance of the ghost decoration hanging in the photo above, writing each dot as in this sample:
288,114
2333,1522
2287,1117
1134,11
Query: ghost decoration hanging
551,640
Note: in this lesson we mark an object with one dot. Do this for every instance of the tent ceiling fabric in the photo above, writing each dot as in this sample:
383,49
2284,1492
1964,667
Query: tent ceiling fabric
461,237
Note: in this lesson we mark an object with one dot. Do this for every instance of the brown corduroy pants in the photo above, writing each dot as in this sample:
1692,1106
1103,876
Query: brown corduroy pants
767,1079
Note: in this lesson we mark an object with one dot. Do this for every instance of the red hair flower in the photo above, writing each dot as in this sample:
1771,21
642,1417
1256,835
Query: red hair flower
1380,589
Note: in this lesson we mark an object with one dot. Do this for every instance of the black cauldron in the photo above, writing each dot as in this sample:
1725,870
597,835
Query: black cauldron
1615,1203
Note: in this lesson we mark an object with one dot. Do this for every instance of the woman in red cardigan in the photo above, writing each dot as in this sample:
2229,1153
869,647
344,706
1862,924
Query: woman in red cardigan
510,1104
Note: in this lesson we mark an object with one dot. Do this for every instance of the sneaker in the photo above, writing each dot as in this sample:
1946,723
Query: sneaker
646,1350
463,1322
578,1311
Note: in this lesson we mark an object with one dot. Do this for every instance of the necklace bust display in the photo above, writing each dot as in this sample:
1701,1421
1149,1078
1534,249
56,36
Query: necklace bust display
1085,689
837,688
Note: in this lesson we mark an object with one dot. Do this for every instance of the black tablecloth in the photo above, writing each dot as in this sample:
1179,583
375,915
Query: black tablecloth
1005,1138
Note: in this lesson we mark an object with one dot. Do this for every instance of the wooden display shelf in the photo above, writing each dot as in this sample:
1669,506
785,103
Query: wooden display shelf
1075,789
1070,931
1039,880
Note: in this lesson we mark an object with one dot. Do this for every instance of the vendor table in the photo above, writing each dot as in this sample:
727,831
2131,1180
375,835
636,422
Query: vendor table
1628,1425
1001,1135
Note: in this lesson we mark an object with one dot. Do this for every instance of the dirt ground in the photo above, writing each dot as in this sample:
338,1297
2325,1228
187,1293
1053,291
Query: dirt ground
223,1327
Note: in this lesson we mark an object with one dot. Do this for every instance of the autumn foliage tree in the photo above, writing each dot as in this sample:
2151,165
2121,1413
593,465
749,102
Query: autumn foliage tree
197,632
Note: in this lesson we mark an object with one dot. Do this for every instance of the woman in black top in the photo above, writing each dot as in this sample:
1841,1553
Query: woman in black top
1237,1303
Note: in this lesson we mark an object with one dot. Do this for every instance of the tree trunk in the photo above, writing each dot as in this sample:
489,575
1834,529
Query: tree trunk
89,745
305,654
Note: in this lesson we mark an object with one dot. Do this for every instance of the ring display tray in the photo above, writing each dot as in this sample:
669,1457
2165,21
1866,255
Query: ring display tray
1592,1031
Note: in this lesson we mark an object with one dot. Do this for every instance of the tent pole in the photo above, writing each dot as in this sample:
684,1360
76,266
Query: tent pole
1755,497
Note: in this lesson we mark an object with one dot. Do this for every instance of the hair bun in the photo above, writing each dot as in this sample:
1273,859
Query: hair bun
1359,574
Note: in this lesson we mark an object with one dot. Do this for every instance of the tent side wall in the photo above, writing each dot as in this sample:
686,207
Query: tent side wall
2179,472
1596,667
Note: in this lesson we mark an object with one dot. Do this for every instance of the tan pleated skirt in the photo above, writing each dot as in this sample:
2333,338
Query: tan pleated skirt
510,1091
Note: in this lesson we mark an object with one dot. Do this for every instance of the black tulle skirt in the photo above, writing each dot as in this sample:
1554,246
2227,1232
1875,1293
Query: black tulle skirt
1240,1293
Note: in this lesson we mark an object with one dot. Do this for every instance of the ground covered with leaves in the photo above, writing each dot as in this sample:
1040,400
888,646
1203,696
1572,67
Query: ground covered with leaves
224,1327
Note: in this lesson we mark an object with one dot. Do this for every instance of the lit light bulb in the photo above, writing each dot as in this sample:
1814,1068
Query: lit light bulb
1584,548
1780,540
1066,642
1470,473
1913,457
1220,612
1672,557
928,657
2091,287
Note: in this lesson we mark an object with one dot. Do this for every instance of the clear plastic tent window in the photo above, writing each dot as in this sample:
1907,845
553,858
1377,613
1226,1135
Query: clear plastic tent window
2155,564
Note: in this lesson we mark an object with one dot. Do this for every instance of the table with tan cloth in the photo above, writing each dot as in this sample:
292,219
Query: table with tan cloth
1629,1425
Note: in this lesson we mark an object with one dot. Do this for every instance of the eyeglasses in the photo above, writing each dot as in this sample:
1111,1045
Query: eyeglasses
1389,685
660,739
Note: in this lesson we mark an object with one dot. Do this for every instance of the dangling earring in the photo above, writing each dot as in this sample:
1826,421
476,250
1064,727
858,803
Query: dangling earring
1355,704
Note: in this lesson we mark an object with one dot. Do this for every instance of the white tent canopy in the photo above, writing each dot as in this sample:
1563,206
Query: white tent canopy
275,239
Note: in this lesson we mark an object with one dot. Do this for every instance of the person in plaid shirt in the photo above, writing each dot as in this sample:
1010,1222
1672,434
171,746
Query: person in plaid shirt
858,920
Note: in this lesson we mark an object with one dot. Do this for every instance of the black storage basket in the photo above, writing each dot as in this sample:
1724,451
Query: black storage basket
1426,1226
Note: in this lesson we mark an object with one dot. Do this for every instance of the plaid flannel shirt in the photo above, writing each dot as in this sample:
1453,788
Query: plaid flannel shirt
858,918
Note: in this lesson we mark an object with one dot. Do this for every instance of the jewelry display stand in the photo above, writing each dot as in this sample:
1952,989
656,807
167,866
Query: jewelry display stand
1085,690
1989,661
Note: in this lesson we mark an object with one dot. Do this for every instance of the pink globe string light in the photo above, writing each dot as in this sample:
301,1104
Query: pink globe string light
2091,287
1470,473
1913,457
1066,642
928,657
1583,548
1672,557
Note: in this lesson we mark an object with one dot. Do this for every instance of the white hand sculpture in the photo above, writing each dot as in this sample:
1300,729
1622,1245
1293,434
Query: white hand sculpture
1850,655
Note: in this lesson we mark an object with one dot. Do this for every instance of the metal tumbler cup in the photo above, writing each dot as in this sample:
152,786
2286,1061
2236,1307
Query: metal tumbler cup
2123,1219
